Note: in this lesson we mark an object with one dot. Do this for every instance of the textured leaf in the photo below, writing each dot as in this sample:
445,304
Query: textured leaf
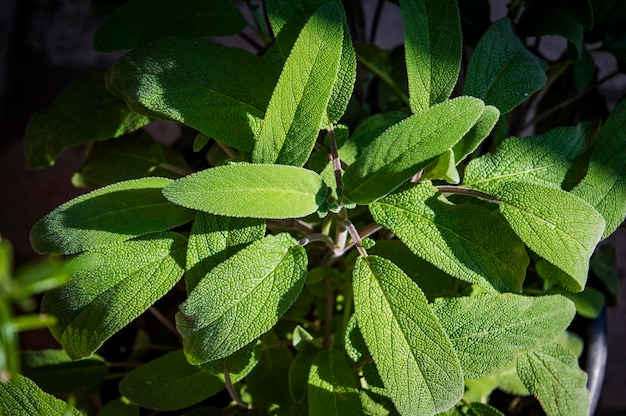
199,83
113,285
213,239
558,226
297,108
413,354
250,190
604,187
119,407
21,397
468,242
589,303
84,111
242,298
108,215
477,134
332,386
489,331
443,168
552,375
482,409
502,72
545,159
432,44
123,30
408,146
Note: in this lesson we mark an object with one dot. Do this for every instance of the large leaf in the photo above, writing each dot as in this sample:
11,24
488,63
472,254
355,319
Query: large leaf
332,386
242,298
84,111
21,397
299,101
250,190
408,146
432,44
489,331
123,30
111,286
580,11
412,352
604,187
221,91
108,215
468,242
558,226
215,238
551,374
502,71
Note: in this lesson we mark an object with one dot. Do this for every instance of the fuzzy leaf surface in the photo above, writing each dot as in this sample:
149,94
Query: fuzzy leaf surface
468,242
413,354
199,83
250,190
299,101
108,215
552,375
558,226
502,72
122,30
488,331
477,134
432,44
332,386
604,187
408,146
241,298
21,396
112,286
84,111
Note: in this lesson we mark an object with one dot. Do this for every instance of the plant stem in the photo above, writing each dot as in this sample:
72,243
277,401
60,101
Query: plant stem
176,169
227,149
291,224
386,79
232,393
447,189
317,237
334,157
355,237
164,321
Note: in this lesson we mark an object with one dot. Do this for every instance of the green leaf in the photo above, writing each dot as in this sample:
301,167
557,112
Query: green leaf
466,241
119,407
213,239
558,226
299,374
502,71
477,134
589,303
55,372
297,108
545,159
432,44
603,265
539,21
332,386
482,409
199,83
604,187
123,30
552,375
84,111
242,298
580,11
250,190
408,146
488,331
21,397
113,285
412,352
443,168
108,215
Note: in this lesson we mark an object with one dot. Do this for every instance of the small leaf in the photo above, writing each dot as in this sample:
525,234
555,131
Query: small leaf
241,298
108,215
432,44
468,242
558,226
443,168
412,352
502,72
552,375
122,30
299,374
489,331
332,386
21,396
482,409
119,407
477,134
84,111
408,146
250,190
113,285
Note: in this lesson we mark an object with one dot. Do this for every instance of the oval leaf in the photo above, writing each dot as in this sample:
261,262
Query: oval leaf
20,396
332,386
108,215
251,190
412,352
242,298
